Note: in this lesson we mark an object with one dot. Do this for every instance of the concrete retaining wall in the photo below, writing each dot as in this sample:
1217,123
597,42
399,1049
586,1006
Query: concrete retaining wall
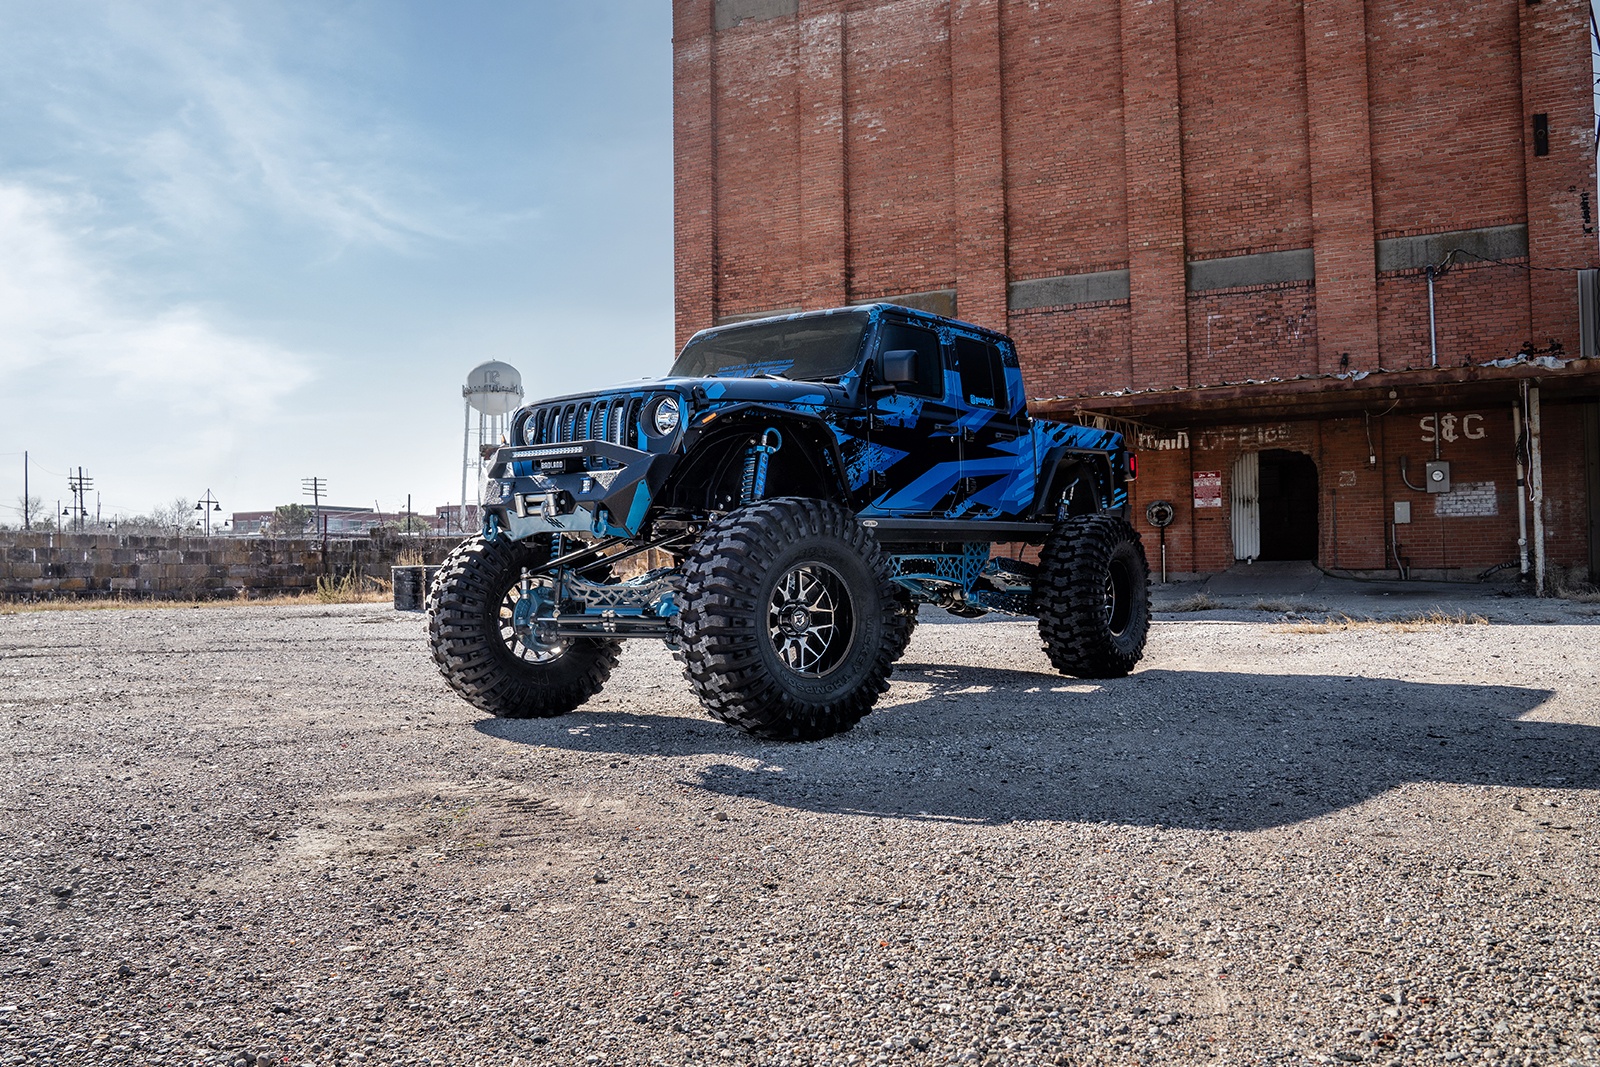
43,566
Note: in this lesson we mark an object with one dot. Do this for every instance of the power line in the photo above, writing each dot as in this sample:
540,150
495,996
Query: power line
1505,263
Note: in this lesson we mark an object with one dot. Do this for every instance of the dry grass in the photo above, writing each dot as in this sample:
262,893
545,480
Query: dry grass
1197,602
352,588
349,589
410,557
1405,624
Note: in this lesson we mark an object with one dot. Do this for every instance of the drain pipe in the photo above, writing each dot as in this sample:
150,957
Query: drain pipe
1536,471
1522,484
1433,333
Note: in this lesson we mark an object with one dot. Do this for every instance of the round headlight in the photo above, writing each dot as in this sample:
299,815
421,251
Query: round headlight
666,417
530,430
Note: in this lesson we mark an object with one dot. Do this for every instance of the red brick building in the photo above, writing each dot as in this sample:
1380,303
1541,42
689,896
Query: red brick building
1214,219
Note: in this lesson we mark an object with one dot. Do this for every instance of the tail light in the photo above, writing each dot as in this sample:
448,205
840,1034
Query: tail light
1133,466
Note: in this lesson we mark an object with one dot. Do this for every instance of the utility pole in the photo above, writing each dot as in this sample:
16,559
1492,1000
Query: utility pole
316,489
208,504
79,486
408,513
27,507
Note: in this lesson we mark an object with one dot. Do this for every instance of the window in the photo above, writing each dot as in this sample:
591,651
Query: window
897,336
983,378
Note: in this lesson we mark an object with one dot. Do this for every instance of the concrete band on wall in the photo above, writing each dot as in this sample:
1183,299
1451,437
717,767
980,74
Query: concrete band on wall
731,13
1276,268
1095,288
934,301
1414,253
751,316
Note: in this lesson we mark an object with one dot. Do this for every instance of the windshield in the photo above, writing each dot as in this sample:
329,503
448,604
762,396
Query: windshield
809,349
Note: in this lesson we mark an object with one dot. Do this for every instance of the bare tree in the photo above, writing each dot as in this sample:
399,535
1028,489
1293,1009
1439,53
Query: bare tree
31,508
178,513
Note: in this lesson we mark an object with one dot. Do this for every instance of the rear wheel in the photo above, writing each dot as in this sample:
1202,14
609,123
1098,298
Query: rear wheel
480,611
1093,597
790,624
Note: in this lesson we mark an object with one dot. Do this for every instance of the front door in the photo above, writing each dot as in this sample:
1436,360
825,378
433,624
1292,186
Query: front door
998,468
914,441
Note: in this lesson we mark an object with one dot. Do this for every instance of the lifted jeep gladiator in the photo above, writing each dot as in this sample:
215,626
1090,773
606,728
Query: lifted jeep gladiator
812,478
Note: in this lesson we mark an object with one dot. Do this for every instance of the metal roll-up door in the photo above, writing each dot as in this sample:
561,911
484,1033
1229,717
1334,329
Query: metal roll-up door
1245,493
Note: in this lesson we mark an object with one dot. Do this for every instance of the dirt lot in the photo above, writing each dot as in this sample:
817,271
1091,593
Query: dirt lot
271,835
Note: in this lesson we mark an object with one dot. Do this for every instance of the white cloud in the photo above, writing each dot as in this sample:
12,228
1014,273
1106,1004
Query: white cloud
72,348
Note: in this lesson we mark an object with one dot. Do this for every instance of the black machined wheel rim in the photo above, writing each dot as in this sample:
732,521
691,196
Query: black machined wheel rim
530,650
810,619
1119,597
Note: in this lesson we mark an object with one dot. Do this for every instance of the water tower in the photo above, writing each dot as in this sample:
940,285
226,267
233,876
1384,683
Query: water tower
493,390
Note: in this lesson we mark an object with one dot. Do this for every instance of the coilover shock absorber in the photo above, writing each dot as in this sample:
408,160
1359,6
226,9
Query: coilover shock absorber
754,485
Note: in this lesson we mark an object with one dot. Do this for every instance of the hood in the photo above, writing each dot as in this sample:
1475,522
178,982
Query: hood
715,391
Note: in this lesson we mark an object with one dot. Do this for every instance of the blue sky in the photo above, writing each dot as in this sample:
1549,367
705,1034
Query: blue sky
246,243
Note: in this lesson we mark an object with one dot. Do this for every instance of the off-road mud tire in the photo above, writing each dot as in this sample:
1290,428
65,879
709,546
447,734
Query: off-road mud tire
464,605
1093,597
732,580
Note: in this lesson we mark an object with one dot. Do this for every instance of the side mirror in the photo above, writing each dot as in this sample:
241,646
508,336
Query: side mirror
900,366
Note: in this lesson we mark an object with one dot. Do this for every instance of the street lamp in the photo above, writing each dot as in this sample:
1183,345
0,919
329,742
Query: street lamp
202,507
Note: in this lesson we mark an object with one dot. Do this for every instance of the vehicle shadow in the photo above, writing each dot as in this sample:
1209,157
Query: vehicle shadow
1204,749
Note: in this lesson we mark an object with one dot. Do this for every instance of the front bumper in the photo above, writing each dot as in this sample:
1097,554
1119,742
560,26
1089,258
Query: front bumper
592,487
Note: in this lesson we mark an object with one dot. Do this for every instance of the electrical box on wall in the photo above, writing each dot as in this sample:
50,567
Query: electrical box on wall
1402,512
1437,476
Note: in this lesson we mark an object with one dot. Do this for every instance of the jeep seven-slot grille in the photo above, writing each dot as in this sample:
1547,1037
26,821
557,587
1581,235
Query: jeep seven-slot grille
612,420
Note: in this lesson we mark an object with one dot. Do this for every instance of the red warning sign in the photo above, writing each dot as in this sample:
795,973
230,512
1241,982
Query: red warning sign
1208,489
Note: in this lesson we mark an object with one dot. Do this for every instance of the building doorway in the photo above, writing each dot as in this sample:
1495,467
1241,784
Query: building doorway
1274,497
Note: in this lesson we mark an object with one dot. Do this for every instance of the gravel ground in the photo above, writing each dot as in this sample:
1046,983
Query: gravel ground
253,835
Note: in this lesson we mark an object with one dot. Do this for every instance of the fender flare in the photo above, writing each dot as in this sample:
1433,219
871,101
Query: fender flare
740,421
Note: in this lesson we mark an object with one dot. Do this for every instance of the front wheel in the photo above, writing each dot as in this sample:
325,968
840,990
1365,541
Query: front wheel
1093,597
790,624
479,623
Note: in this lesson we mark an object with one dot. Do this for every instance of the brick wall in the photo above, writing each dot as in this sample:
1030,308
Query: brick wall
45,566
758,175
1066,201
1481,312
1446,115
899,148
1246,173
1241,334
1085,349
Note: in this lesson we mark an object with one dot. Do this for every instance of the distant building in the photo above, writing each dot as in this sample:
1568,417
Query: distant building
359,522
250,523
